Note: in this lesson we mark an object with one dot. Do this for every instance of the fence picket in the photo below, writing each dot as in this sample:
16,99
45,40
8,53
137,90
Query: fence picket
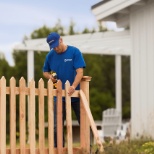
59,118
3,115
41,117
68,119
32,116
12,115
50,118
22,108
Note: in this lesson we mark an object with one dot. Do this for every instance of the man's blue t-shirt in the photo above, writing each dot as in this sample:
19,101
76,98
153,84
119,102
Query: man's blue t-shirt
65,64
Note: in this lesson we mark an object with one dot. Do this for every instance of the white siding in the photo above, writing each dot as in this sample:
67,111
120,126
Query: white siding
142,71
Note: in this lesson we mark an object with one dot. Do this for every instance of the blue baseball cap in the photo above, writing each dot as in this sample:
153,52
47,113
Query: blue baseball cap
53,39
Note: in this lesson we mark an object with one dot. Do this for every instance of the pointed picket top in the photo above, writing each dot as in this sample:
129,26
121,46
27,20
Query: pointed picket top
22,85
3,78
12,88
50,85
41,80
12,81
2,82
22,81
50,82
12,78
22,78
3,85
41,83
32,82
59,85
67,83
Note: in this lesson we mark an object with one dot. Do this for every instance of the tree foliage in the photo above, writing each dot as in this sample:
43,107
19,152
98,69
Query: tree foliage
5,69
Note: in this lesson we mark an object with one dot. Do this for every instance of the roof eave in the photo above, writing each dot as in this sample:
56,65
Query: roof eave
109,8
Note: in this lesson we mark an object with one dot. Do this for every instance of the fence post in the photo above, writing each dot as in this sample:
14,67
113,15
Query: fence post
84,122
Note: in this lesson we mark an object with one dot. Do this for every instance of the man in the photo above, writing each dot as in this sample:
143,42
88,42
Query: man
68,63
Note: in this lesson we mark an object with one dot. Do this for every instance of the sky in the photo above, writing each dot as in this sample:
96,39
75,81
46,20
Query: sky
20,18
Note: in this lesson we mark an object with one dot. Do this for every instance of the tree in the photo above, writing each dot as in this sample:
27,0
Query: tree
6,70
41,32
71,28
102,85
86,30
20,68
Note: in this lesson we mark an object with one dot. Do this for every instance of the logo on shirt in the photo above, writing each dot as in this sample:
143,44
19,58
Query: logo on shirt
66,60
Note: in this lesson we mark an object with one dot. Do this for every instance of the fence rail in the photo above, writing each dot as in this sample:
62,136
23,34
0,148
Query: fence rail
25,105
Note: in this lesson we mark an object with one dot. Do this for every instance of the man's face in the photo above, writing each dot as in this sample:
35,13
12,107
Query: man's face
59,48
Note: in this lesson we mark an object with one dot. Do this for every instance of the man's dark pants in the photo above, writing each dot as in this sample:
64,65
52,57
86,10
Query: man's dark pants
75,107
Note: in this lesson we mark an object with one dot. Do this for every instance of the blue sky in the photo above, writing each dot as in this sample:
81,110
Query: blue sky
19,18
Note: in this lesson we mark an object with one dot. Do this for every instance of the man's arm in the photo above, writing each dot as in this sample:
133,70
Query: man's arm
77,80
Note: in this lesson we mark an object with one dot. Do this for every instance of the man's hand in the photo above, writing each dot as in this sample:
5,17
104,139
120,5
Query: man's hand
71,90
53,79
77,80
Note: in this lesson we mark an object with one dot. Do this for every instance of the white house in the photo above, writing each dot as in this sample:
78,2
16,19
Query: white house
138,16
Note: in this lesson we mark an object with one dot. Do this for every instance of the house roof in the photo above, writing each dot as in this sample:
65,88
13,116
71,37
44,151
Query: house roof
99,3
109,43
111,10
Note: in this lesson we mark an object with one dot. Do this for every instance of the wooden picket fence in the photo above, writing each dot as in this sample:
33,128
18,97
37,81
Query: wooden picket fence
27,97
